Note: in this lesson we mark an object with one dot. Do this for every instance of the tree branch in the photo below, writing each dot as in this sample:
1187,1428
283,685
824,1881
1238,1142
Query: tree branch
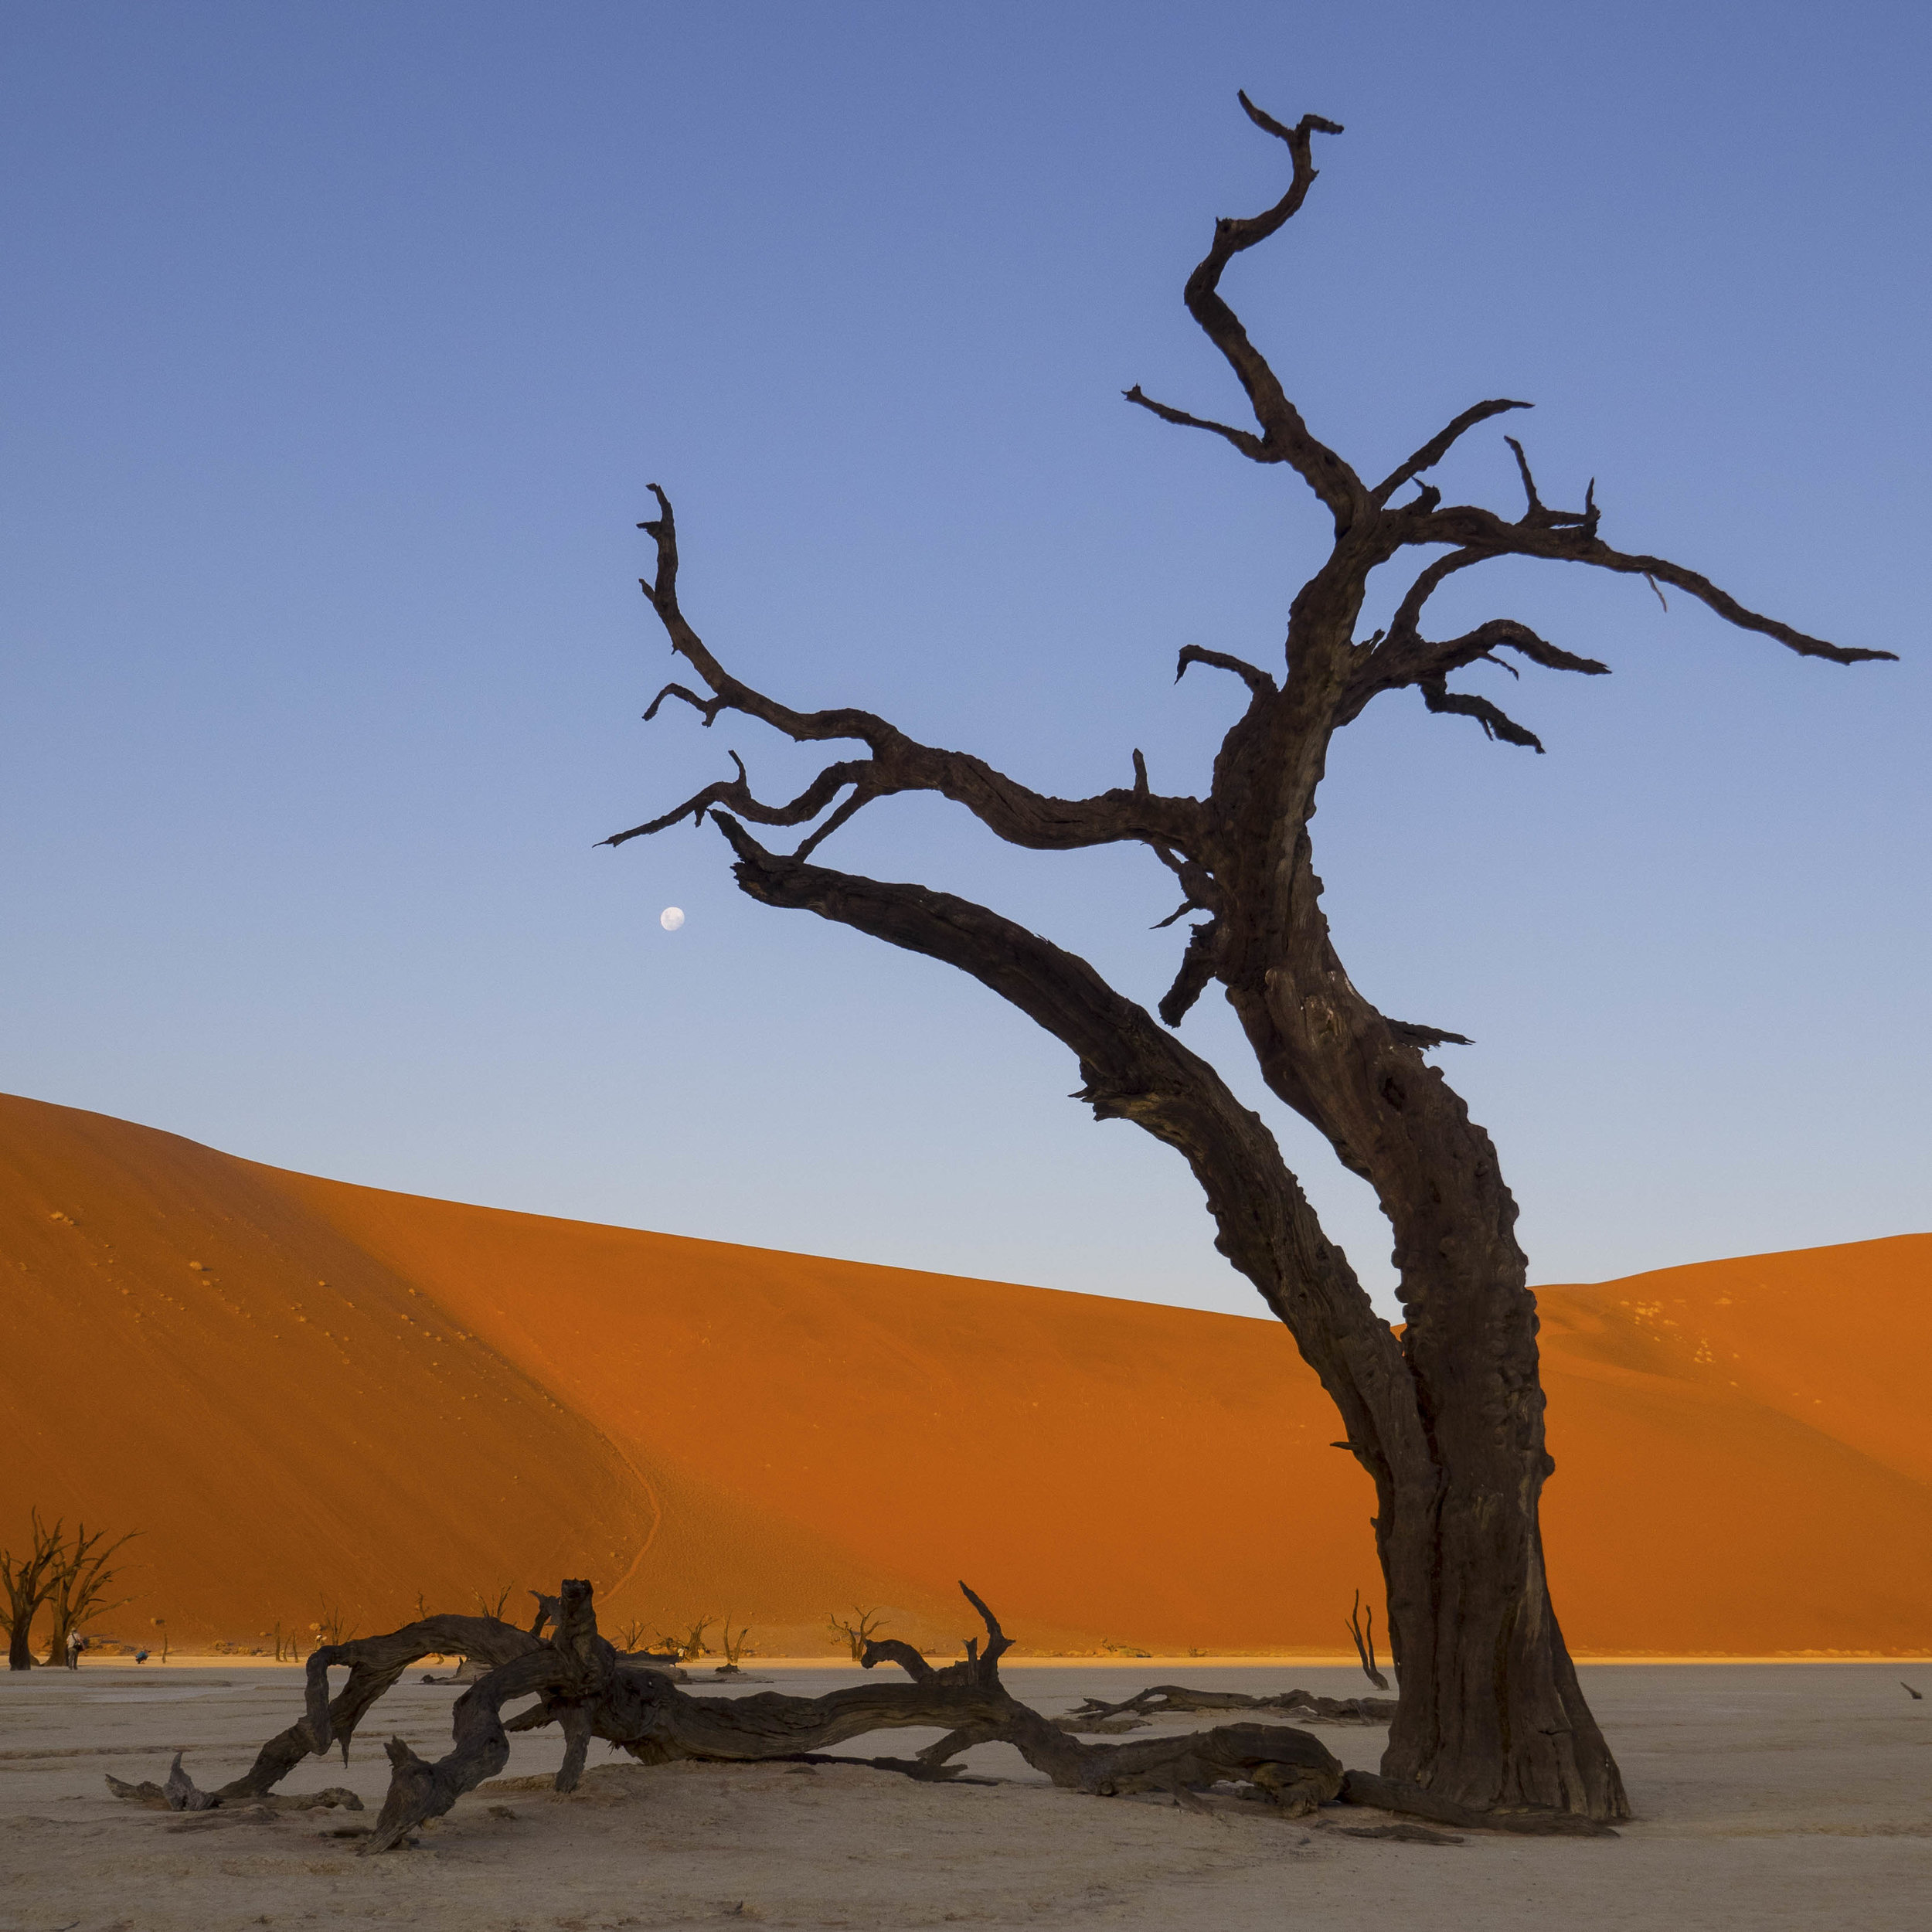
1439,445
1495,724
1250,445
897,763
736,793
1285,437
1256,680
1480,534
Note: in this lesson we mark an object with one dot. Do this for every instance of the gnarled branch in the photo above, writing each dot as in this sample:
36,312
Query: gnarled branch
1285,437
1480,534
585,1689
897,763
1496,722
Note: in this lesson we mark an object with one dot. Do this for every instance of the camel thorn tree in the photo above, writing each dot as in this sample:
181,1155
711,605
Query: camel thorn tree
1446,1417
83,1572
26,1582
856,1633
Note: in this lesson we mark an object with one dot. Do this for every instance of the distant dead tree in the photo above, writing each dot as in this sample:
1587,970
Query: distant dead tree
26,1580
1446,1417
330,1625
83,1571
691,1645
866,1624
488,1606
1365,1640
733,1647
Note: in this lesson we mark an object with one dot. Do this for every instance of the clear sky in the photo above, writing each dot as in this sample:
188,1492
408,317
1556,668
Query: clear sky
341,340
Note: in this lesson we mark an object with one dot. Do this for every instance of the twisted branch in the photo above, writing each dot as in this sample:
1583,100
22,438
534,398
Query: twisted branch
1285,437
897,763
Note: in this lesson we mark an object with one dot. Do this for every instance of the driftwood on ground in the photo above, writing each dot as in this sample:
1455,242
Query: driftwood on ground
583,1685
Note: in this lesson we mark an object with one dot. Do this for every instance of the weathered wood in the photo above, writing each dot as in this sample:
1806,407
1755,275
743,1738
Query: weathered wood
179,1793
1447,1419
583,1685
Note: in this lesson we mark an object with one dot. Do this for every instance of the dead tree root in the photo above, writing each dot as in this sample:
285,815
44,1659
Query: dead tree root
581,1683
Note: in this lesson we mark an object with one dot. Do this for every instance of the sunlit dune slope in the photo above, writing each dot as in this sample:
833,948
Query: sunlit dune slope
476,1396
1744,1452
190,1351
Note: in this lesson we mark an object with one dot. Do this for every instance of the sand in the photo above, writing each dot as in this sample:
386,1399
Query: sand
1776,1795
299,1389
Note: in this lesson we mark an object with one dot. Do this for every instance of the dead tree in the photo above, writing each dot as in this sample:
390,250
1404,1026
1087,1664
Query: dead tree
1446,1417
1365,1641
27,1580
82,1574
856,1636
733,1647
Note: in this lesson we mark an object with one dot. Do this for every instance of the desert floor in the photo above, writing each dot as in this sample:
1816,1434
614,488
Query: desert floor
1767,1795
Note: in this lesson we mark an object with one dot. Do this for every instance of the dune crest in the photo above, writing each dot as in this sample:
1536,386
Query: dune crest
300,1389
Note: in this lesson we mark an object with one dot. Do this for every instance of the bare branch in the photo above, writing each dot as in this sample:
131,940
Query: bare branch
736,793
1428,582
708,708
1255,679
1285,437
1480,534
1528,481
1439,445
862,794
898,763
1405,659
1245,440
1438,697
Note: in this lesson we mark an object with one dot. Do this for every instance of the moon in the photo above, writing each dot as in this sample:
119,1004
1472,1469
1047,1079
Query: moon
671,918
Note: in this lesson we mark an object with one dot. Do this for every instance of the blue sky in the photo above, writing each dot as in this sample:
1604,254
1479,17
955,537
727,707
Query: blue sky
341,342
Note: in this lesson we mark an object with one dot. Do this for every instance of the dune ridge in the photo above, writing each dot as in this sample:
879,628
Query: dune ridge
303,1390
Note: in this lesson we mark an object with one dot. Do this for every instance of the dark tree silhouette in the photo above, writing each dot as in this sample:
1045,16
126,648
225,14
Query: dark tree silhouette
26,1582
1446,1417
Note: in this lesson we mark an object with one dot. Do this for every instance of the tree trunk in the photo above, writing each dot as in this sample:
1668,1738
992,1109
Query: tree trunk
19,1645
1447,1419
1491,1715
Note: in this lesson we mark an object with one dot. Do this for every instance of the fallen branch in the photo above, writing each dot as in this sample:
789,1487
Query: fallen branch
1167,1700
581,1685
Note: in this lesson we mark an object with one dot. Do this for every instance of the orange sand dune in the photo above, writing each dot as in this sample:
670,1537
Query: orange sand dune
359,1394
